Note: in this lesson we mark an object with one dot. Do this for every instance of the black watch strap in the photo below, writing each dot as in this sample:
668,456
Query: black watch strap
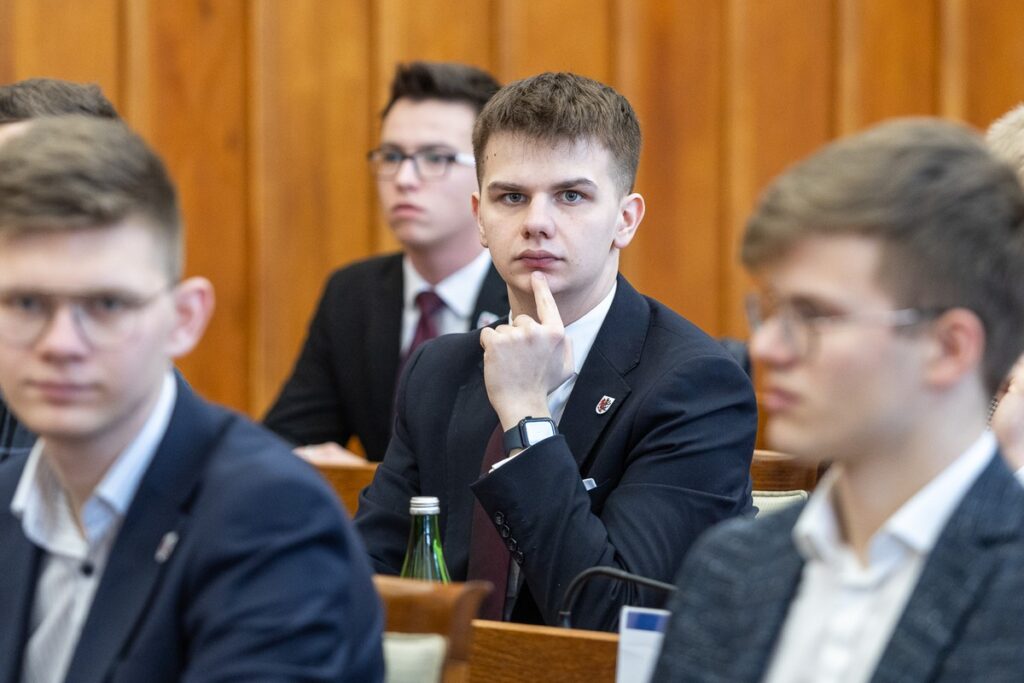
520,435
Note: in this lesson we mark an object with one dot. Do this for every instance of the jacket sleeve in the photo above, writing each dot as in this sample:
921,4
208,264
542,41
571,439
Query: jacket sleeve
686,467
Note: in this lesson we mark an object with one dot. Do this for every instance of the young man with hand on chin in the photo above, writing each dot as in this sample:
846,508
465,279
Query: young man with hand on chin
595,427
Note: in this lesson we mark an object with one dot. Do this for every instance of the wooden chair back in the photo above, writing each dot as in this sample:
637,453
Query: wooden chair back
773,471
512,653
412,606
348,480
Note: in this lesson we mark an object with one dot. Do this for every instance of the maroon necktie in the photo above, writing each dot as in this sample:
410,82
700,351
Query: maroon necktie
488,556
429,304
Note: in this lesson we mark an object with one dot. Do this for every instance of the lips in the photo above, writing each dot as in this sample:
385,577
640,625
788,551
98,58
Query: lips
406,209
537,259
777,400
61,391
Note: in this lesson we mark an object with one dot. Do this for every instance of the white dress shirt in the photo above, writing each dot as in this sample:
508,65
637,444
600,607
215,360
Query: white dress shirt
459,292
73,561
844,613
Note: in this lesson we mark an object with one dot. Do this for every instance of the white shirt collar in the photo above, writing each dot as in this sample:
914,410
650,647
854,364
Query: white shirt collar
458,291
916,524
39,497
583,332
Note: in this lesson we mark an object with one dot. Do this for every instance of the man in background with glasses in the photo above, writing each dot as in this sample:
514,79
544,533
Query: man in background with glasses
20,102
149,535
889,310
373,314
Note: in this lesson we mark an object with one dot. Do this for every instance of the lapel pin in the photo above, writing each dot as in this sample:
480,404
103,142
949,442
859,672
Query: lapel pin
604,404
166,547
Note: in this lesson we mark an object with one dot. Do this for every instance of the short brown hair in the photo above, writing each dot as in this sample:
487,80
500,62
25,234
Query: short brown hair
445,81
564,107
79,172
948,214
37,97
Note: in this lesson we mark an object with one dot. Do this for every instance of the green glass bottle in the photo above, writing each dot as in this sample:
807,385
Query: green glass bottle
424,558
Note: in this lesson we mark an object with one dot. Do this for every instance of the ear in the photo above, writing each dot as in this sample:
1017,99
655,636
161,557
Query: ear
631,212
958,348
193,307
475,199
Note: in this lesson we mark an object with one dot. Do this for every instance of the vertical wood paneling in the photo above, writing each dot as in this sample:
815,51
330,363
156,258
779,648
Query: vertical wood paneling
310,114
428,30
779,108
7,51
886,61
186,93
982,58
674,256
538,35
78,40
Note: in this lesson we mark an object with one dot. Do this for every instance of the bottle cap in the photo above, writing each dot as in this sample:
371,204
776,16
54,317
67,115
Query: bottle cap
424,505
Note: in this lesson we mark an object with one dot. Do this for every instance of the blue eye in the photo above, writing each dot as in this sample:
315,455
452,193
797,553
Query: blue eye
572,196
513,197
391,156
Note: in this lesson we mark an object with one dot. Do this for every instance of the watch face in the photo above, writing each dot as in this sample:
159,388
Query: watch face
538,430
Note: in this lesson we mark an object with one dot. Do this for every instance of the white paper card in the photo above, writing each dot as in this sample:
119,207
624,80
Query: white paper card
641,630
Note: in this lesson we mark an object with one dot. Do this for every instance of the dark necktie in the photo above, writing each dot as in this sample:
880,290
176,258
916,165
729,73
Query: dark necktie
429,304
488,555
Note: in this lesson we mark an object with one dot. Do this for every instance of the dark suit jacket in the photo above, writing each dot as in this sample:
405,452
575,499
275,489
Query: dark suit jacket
962,623
14,438
267,582
670,457
343,383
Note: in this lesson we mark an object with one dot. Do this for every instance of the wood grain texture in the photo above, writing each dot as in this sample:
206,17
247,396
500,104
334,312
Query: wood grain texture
513,653
311,197
348,481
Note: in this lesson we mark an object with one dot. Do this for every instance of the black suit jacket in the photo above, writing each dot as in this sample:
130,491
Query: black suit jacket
962,622
670,457
343,383
267,581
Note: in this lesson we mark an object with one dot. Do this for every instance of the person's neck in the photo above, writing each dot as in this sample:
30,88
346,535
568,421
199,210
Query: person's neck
571,306
81,464
437,263
873,486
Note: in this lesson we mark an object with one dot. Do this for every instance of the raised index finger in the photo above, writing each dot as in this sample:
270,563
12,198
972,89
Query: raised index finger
547,309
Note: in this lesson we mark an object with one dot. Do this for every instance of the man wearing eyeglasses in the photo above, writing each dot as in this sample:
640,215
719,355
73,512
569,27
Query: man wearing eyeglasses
148,535
373,314
889,310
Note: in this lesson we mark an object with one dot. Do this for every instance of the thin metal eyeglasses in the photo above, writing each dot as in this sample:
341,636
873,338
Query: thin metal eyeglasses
104,319
430,164
800,330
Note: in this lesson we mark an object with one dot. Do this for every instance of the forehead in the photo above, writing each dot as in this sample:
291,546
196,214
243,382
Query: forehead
128,254
516,159
841,270
413,124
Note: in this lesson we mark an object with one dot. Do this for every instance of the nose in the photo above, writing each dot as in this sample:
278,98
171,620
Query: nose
62,335
770,345
407,176
538,221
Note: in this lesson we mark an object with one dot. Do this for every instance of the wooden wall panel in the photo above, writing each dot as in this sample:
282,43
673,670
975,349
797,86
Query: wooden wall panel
186,93
311,191
982,59
406,31
779,108
79,40
533,36
886,61
674,256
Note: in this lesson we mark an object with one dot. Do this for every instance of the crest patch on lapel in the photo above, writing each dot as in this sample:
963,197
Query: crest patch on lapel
167,545
604,404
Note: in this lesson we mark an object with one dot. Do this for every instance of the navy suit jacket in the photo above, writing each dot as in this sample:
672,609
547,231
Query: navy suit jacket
670,457
343,383
962,622
267,581
14,438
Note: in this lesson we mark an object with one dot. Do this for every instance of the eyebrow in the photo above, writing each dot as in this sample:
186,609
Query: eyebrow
502,186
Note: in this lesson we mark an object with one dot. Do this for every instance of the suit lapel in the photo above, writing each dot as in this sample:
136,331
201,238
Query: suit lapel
383,338
133,570
19,565
493,298
615,352
957,569
469,429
